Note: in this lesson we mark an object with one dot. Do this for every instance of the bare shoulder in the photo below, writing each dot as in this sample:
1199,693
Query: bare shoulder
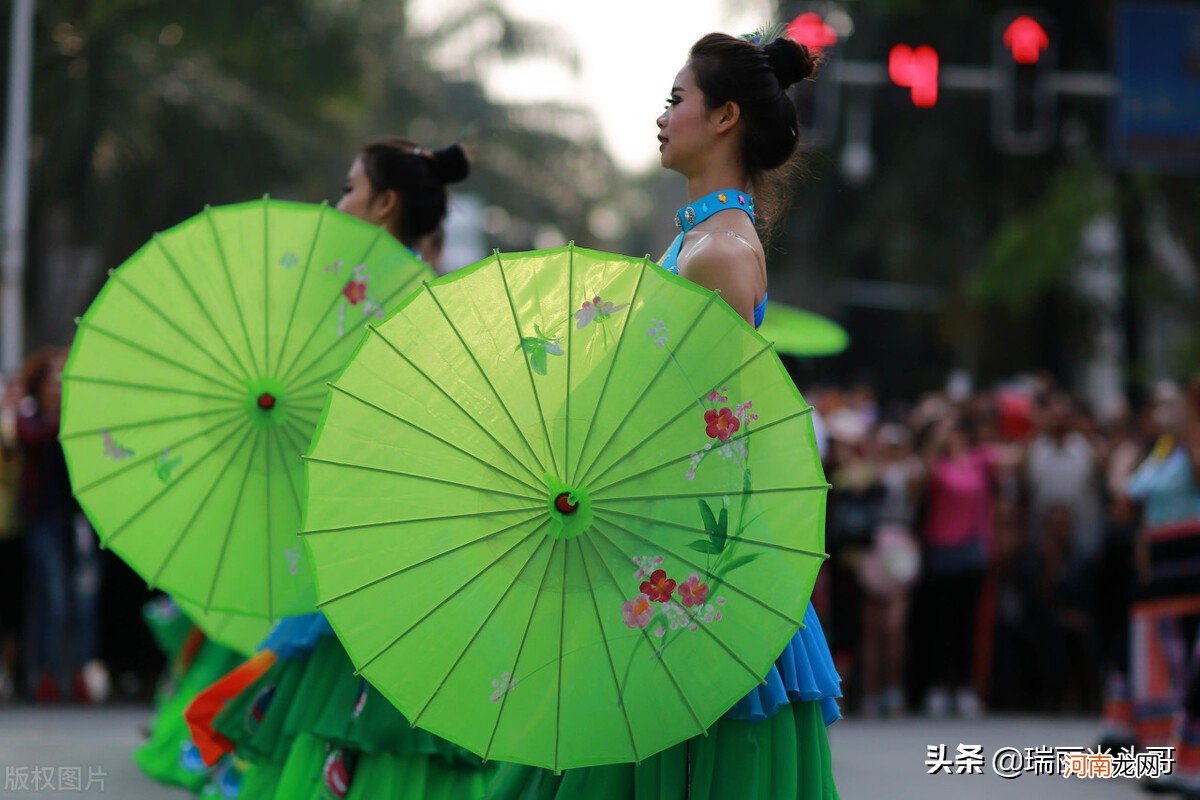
726,263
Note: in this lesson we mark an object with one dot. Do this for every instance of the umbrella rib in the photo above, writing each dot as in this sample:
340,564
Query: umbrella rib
312,246
430,478
294,426
470,515
683,411
611,365
433,435
124,526
148,387
267,503
537,398
447,599
278,440
646,389
698,568
487,379
148,458
537,597
426,560
146,423
299,442
567,388
650,642
507,451
200,304
738,437
562,631
266,286
699,623
237,504
236,393
237,305
387,301
702,531
287,373
717,492
416,719
612,667
183,534
188,337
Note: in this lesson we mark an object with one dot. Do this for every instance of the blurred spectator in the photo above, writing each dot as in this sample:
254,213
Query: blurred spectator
957,537
12,585
64,564
886,573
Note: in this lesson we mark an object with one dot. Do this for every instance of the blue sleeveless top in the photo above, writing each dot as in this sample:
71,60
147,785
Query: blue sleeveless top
804,670
693,214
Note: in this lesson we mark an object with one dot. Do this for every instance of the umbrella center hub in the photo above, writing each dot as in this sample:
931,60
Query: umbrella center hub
570,509
265,403
565,504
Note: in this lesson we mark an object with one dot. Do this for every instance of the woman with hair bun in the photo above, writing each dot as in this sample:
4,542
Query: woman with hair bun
729,127
296,718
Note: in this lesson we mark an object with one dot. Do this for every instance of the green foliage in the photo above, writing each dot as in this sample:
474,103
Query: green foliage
1031,253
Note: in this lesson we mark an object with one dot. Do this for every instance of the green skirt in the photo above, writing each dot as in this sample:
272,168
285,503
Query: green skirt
314,729
784,756
168,756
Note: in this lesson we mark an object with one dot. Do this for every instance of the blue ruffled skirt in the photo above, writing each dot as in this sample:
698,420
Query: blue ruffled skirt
803,671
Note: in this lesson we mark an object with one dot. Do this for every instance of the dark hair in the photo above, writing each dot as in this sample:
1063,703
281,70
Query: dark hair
729,69
418,177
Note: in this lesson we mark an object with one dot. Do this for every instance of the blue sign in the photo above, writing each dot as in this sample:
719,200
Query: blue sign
1155,120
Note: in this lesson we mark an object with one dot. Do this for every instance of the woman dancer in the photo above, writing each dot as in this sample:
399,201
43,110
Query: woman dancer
297,711
728,125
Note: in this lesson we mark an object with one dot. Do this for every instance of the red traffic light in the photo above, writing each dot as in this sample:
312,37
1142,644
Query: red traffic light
1026,38
915,69
812,31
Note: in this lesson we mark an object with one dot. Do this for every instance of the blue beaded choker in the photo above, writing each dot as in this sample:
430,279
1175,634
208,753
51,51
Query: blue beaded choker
696,212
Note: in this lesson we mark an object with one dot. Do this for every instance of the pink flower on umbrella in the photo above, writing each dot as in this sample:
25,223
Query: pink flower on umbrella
692,592
637,612
659,587
355,292
596,309
721,424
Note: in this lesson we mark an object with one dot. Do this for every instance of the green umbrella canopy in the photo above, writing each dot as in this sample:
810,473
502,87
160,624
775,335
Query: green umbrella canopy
239,632
564,508
802,333
195,381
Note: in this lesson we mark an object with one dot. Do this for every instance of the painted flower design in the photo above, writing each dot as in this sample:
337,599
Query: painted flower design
658,587
355,292
637,612
113,449
502,686
658,333
721,424
597,310
692,592
718,395
538,348
288,260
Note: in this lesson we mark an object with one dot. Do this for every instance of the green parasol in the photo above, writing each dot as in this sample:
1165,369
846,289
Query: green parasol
194,384
239,632
564,508
802,333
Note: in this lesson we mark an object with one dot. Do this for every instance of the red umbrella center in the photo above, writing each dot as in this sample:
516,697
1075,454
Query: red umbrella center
266,401
564,504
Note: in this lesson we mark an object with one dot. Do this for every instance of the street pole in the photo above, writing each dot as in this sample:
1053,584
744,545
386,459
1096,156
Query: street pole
16,187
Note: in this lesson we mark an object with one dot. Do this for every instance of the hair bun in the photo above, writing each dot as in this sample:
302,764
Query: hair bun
450,164
790,60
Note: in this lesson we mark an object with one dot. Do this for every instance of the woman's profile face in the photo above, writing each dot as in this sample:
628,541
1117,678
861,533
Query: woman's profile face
358,200
683,131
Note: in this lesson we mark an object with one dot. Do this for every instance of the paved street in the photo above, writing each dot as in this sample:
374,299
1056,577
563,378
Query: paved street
871,759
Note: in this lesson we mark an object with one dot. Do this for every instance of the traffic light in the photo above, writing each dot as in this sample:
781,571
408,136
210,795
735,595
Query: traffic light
1023,106
817,101
916,69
